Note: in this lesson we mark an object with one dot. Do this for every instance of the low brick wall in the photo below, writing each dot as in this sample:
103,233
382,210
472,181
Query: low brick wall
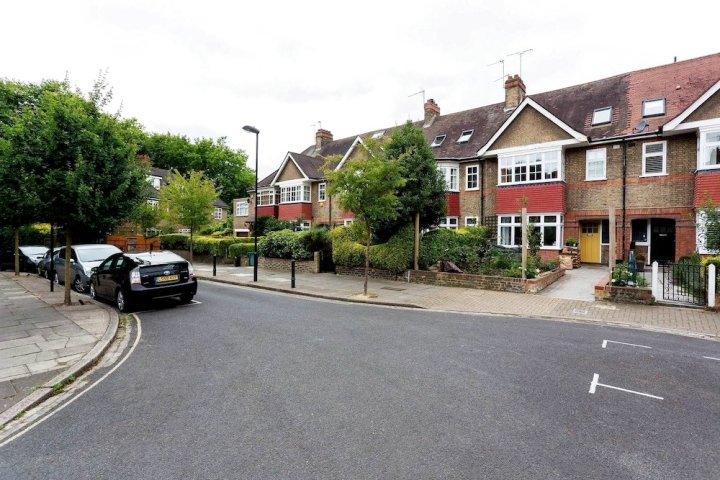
360,272
464,280
629,294
301,266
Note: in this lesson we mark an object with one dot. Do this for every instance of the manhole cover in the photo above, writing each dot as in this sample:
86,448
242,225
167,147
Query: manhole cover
580,311
394,289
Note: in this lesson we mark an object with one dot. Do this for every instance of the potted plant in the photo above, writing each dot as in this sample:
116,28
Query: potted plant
571,242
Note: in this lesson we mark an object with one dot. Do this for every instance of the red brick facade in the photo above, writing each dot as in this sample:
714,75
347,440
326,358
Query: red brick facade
292,211
539,198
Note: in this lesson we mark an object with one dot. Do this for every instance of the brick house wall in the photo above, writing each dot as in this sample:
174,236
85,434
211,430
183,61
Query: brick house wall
530,127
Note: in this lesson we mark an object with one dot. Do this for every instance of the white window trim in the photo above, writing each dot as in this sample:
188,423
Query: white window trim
153,202
377,135
448,178
651,100
587,164
348,221
295,184
445,223
477,174
561,170
465,136
644,156
703,145
436,142
273,195
477,221
322,189
218,213
598,110
648,231
238,205
559,224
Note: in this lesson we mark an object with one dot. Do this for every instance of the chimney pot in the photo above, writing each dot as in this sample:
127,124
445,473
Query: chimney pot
322,138
432,110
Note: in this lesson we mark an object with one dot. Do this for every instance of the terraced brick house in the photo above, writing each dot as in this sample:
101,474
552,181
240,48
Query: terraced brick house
645,142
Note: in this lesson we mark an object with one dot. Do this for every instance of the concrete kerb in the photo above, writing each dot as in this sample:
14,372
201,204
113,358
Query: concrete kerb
308,294
85,363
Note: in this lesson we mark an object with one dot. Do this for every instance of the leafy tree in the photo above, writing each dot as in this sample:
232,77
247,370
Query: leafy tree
18,177
225,166
188,201
368,187
146,217
422,198
88,179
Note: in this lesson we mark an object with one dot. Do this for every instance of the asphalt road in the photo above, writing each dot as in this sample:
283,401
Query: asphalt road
250,384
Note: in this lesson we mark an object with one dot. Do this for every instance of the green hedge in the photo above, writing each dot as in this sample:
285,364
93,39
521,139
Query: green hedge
240,249
395,255
174,241
284,244
465,248
205,244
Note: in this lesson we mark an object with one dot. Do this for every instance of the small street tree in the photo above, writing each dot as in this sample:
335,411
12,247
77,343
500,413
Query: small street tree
368,187
83,159
422,197
188,201
146,217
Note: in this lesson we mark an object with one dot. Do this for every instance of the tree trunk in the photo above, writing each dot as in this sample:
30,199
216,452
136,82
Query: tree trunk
68,259
416,252
17,252
367,259
191,242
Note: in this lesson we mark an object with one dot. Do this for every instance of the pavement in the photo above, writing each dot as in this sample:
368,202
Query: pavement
572,299
43,342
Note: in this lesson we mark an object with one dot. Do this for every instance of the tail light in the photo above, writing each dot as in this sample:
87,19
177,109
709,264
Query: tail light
135,276
191,270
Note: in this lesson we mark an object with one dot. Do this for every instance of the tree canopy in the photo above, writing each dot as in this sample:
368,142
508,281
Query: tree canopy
221,164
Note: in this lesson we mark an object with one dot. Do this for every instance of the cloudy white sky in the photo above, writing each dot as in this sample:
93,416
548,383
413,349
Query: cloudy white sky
206,68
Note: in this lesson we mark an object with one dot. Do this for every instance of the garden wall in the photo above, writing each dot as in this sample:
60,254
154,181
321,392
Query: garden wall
465,280
301,266
604,290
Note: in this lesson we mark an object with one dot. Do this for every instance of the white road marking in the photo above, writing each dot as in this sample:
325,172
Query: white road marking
712,358
605,342
594,384
132,349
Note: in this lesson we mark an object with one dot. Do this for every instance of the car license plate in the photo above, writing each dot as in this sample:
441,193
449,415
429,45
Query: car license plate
166,278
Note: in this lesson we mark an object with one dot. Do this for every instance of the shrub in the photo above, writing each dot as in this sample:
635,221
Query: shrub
348,254
317,239
267,224
240,249
395,255
284,244
174,241
465,248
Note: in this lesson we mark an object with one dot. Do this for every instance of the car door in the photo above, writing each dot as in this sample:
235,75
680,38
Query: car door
117,273
102,277
60,265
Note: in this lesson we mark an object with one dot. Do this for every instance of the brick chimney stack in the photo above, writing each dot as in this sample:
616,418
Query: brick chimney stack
322,138
431,112
514,92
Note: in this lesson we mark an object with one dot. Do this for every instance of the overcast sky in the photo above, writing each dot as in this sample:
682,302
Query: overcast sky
206,68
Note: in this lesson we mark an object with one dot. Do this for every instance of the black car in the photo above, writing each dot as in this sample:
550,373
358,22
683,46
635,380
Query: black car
30,255
44,264
130,278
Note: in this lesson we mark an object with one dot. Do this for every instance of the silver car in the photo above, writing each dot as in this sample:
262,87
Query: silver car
84,258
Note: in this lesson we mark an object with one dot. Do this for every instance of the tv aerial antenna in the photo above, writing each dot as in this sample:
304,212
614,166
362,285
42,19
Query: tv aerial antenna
501,62
520,54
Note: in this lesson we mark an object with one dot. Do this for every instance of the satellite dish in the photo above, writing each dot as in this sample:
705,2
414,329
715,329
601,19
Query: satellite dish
642,125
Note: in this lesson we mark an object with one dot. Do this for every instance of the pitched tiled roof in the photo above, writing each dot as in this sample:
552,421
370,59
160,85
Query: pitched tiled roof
265,182
159,172
220,203
311,166
680,83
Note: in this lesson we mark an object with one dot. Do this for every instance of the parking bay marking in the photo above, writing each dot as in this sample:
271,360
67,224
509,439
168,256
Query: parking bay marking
594,384
605,342
712,358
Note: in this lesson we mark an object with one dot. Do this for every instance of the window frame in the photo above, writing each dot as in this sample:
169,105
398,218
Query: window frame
322,196
447,169
378,135
476,175
465,136
645,155
217,214
705,147
438,141
596,123
647,231
295,193
515,226
520,160
477,221
446,222
271,193
649,101
588,160
238,205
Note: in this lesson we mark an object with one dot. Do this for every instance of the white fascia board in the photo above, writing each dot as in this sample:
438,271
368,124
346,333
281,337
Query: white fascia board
536,147
282,167
357,141
699,124
677,121
577,136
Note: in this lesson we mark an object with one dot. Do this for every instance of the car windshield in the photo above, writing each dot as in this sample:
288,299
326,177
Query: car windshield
96,254
33,250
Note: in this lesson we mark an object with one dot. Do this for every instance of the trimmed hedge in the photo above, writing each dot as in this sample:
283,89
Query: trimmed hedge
205,244
284,244
174,241
466,248
240,249
395,255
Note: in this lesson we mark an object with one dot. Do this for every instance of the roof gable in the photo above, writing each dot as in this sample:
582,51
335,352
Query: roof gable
289,170
704,108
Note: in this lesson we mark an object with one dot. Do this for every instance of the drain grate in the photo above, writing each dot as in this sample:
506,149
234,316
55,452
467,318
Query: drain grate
394,289
580,311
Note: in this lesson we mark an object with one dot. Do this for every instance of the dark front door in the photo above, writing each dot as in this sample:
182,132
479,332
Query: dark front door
662,240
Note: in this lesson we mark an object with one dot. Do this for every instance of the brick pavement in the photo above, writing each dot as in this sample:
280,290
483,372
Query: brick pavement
39,336
685,321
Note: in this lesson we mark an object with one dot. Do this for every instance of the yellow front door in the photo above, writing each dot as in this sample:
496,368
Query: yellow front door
590,242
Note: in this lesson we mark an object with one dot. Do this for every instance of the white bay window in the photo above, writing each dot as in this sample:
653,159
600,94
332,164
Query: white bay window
296,193
709,152
450,171
535,167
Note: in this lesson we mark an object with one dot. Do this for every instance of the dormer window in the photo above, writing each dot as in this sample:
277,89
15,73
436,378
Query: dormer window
377,135
652,108
602,116
466,134
438,141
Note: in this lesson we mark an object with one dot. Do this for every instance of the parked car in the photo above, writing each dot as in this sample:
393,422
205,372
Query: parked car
44,263
30,255
130,278
84,258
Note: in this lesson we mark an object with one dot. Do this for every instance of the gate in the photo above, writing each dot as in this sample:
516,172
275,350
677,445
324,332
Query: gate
684,283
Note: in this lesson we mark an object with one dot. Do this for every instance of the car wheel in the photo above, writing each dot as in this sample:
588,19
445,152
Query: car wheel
78,285
121,302
93,295
186,298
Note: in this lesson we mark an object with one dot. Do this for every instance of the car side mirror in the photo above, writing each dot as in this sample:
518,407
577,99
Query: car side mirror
93,269
72,261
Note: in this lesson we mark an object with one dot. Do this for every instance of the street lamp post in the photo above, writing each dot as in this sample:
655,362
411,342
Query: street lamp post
254,130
